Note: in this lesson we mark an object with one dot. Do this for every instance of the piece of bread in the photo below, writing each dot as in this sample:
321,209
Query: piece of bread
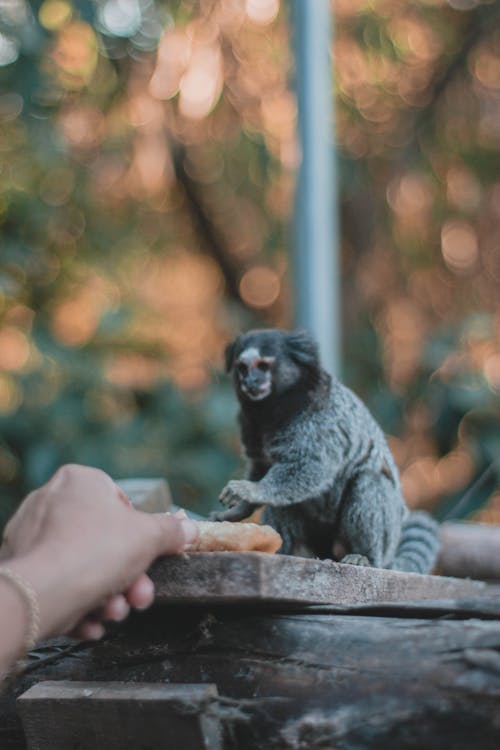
220,536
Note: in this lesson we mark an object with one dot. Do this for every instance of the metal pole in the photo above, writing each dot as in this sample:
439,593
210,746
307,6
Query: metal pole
316,271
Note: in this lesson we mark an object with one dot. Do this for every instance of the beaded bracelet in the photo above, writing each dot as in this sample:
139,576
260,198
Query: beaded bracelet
29,597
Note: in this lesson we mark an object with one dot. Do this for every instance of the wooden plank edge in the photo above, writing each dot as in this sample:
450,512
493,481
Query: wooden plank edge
229,577
200,694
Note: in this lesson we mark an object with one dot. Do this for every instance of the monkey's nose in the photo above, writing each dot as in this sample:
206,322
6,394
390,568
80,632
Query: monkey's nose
255,378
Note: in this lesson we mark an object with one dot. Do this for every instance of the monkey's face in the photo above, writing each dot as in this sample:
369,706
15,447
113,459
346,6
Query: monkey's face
271,363
253,373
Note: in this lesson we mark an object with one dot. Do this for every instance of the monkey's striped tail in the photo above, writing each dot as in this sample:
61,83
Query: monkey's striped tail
419,544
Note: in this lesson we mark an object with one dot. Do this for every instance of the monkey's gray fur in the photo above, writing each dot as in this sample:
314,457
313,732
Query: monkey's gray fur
318,461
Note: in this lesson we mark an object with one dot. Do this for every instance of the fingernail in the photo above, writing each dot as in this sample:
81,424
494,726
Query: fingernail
181,513
123,496
94,631
122,610
190,530
147,594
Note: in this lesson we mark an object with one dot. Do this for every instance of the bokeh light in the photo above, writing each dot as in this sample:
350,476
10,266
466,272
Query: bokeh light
9,50
54,14
75,55
260,286
262,11
120,17
10,394
14,349
459,246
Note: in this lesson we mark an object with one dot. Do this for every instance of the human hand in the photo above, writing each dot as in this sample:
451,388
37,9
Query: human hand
84,549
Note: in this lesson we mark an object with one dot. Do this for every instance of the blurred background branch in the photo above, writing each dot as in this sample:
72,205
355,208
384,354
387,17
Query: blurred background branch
210,237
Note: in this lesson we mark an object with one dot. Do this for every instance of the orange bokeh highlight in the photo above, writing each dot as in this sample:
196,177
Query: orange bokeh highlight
75,55
14,349
260,286
459,246
262,12
75,318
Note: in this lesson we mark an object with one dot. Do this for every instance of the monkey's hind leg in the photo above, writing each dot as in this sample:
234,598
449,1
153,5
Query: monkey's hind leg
370,522
356,560
288,522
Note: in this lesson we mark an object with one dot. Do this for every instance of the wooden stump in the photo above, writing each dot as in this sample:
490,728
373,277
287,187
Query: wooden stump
397,678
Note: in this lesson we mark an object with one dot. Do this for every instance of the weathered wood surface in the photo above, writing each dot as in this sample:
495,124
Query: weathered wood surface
116,715
307,681
222,577
486,607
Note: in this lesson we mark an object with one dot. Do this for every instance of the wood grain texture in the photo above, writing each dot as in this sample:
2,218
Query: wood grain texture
223,577
312,681
117,715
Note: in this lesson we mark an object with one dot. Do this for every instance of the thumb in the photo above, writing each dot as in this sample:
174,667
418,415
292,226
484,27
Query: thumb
174,535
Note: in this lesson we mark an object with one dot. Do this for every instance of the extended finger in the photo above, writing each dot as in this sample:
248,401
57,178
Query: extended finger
141,593
116,609
172,534
88,630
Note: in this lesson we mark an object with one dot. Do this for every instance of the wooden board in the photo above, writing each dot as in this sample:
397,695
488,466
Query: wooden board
238,577
119,715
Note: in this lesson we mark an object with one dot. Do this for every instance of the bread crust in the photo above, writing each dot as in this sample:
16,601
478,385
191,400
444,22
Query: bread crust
220,536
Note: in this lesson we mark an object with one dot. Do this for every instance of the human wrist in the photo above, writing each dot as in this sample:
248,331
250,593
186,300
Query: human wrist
43,576
13,619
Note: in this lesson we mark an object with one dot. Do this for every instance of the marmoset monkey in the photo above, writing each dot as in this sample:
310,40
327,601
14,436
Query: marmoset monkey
318,461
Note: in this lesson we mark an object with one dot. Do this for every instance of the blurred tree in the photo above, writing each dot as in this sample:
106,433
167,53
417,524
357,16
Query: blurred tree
147,166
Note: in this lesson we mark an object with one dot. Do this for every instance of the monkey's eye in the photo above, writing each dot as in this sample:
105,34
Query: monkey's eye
242,368
264,366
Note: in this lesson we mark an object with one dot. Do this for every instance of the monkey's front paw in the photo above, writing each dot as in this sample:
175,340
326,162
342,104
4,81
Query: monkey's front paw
356,560
217,515
238,490
236,513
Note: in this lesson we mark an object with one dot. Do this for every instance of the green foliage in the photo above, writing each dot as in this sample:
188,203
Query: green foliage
69,414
